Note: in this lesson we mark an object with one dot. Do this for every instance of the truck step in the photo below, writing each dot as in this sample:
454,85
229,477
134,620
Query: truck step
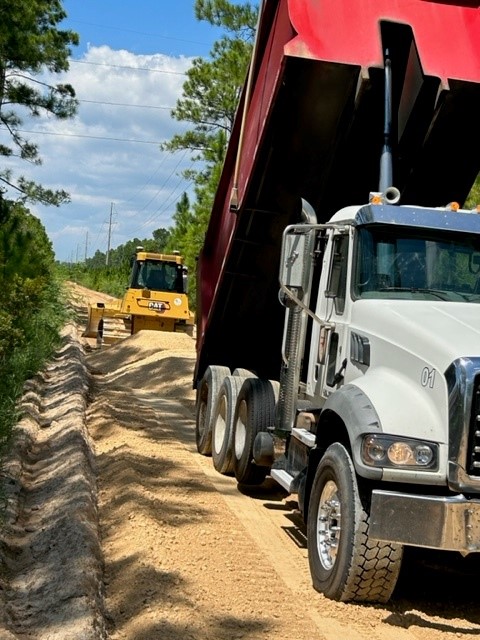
307,437
283,478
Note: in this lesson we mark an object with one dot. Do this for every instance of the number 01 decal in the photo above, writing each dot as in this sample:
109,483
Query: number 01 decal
428,377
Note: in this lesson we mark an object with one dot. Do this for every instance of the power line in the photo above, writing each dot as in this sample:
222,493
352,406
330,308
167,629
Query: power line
140,33
169,202
119,66
124,104
162,186
79,135
147,182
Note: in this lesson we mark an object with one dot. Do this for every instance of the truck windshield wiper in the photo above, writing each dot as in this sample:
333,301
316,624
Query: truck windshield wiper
434,292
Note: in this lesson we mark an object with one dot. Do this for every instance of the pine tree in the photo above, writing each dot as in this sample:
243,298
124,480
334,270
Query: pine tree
209,102
30,44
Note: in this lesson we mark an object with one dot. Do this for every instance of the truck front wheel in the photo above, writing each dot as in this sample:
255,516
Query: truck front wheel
207,392
345,563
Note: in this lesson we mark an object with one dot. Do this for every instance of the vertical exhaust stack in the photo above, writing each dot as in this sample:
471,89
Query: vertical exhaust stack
390,193
386,162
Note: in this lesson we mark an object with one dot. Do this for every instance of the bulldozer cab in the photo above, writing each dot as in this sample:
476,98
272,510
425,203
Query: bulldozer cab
157,275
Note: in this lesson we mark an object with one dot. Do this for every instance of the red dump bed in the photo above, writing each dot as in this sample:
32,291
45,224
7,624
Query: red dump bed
314,130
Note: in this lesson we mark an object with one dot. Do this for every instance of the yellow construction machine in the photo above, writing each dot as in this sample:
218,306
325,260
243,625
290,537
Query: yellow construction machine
156,298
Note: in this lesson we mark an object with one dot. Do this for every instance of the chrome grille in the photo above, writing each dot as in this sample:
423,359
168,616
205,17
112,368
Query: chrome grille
473,459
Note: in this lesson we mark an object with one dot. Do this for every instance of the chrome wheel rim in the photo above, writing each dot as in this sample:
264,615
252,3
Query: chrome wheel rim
329,525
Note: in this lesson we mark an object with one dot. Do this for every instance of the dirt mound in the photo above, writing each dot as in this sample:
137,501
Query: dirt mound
146,346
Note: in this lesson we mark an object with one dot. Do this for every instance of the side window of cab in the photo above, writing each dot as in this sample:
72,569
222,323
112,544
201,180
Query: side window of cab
337,284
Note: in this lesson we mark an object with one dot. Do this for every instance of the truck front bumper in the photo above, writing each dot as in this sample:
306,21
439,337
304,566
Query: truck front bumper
449,523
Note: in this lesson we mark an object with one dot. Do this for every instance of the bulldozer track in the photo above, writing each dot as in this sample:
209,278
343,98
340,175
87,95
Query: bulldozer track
115,329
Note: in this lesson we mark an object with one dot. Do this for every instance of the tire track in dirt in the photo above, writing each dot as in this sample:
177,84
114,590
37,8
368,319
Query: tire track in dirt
272,522
240,557
186,555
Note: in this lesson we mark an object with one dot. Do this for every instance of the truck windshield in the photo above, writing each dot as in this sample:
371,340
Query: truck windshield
406,263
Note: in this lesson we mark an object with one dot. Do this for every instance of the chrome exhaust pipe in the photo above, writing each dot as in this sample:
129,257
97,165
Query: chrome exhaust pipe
392,195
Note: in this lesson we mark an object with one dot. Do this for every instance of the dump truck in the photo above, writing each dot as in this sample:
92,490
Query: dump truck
155,299
338,312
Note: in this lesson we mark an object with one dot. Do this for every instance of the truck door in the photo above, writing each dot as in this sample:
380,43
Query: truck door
328,349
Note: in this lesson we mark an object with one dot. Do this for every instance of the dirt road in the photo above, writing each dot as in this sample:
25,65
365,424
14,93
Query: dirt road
122,530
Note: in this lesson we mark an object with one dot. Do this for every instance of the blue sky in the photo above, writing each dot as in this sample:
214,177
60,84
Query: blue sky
142,26
128,73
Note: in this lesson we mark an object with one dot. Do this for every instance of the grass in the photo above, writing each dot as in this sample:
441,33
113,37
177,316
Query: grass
34,337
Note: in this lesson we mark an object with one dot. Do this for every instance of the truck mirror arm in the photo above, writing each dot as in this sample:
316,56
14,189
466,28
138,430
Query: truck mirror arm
289,294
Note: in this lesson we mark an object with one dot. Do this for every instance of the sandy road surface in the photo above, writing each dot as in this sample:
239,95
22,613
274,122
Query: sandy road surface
120,529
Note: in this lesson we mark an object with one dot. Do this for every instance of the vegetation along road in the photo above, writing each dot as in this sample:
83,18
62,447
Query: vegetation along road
116,527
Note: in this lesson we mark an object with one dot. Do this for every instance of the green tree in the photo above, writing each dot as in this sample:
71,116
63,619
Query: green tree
161,237
473,199
182,221
25,250
212,89
33,306
30,44
209,103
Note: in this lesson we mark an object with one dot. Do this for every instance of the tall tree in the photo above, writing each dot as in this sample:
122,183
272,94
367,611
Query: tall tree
26,272
209,102
25,250
30,44
182,221
473,199
212,89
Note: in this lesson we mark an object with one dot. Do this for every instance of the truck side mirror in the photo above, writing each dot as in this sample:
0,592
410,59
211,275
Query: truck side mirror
337,282
296,259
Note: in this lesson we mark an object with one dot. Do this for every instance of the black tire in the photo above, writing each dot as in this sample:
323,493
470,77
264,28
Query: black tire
345,564
207,392
222,424
245,373
254,412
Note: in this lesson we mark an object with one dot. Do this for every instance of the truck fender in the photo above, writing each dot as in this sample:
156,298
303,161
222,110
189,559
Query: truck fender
383,401
354,408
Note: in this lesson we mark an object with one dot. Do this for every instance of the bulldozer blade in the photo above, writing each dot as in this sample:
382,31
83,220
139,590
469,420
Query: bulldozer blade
95,314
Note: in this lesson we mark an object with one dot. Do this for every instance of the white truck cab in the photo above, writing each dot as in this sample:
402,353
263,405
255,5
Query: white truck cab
389,367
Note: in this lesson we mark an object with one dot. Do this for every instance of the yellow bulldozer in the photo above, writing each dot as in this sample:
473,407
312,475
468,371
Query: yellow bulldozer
155,299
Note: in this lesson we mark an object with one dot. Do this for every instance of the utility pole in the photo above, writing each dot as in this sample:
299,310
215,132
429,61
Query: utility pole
86,246
109,235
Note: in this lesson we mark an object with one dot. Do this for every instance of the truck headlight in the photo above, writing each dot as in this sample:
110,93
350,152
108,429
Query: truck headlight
380,450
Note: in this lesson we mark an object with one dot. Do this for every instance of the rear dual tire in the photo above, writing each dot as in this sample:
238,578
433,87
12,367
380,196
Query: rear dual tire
254,412
222,431
207,393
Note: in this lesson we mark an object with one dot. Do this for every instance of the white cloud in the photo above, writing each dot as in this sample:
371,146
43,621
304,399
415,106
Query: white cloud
88,156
